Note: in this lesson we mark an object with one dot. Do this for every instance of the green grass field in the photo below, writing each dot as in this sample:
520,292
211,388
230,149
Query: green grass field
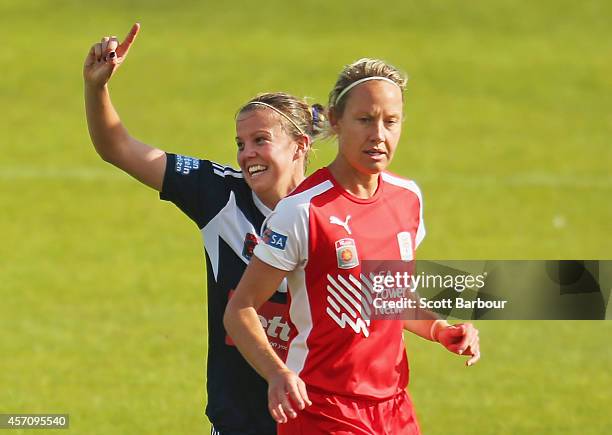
102,297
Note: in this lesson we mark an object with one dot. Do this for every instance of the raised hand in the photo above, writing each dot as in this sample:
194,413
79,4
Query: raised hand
105,57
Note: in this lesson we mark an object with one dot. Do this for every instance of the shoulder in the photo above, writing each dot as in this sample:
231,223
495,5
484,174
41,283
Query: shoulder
205,172
402,183
186,165
313,186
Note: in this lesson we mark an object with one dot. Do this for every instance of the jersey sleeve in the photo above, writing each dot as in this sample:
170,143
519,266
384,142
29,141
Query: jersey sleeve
285,236
197,187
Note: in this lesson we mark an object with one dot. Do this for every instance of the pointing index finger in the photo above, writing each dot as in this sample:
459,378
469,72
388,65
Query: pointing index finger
123,48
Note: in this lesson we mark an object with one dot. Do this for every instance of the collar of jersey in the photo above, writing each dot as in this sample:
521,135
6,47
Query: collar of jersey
260,205
352,197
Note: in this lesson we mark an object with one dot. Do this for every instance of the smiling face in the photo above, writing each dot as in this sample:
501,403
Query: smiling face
271,160
369,128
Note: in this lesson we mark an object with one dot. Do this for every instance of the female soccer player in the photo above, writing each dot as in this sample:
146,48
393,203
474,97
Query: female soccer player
345,373
273,133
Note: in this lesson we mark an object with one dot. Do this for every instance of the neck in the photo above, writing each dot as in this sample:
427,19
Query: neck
271,198
357,183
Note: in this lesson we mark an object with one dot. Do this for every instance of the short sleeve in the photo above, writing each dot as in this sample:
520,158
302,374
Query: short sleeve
200,188
285,236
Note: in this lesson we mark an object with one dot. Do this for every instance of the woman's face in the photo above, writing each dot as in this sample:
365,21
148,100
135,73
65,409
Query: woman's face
370,126
270,159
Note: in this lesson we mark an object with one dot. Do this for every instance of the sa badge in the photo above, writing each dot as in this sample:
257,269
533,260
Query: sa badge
346,253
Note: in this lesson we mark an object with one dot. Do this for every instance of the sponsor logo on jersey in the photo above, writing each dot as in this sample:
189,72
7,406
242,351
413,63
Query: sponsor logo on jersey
273,318
404,240
346,253
184,165
250,241
274,239
343,223
349,301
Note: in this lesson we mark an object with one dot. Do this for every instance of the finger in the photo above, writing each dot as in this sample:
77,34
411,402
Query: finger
304,393
296,396
275,408
104,42
474,359
110,55
472,348
286,405
98,51
468,337
461,347
277,413
454,348
124,47
91,56
113,43
455,330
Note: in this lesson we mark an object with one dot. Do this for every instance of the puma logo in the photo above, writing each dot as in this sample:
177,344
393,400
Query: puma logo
344,224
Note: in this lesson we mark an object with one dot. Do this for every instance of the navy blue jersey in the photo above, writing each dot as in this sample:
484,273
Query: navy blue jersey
229,217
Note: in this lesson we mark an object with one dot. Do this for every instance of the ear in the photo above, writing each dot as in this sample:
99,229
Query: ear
333,120
303,146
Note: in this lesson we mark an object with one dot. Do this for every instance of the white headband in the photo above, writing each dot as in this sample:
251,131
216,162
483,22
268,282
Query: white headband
360,81
259,103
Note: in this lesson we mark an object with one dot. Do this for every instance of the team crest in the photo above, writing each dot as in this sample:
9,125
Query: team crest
250,241
346,253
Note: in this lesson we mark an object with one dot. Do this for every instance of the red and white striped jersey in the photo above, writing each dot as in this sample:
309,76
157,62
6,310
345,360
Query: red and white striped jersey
322,234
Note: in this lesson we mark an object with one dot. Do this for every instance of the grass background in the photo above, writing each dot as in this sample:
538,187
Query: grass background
508,127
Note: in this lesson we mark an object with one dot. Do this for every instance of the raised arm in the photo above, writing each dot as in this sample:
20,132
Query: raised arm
242,324
108,135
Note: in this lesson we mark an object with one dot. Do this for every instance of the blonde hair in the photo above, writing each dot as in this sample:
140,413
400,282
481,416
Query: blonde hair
359,70
298,117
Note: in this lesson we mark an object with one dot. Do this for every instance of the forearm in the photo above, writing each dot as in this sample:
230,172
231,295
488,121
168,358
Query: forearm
428,329
114,144
107,133
243,325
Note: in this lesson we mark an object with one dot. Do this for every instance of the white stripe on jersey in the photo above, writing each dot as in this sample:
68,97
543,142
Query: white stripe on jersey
360,297
412,186
301,317
224,171
223,167
229,172
354,301
231,225
367,291
357,320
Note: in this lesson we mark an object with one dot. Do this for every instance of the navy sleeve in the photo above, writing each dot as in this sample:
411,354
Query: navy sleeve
200,188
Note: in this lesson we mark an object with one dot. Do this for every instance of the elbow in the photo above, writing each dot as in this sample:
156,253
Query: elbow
107,150
107,157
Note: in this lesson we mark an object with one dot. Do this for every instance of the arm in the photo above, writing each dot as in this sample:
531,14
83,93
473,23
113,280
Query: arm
242,324
110,138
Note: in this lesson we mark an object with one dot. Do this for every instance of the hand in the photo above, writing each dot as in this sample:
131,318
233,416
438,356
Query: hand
106,56
461,339
285,391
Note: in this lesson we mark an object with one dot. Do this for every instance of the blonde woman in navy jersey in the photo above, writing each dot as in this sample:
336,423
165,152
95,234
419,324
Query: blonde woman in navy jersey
274,132
345,373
